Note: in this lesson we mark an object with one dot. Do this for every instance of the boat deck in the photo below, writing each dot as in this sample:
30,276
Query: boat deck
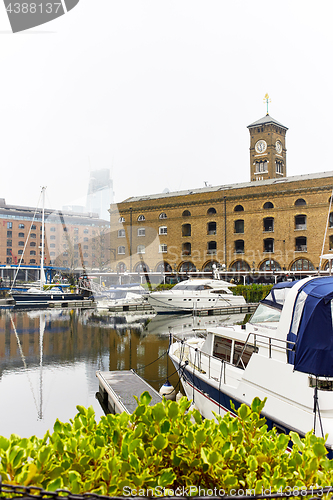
118,388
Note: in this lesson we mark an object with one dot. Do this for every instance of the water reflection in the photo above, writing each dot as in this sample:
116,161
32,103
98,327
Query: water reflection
49,359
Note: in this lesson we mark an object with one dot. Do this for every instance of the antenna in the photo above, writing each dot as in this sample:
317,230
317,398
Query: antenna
267,100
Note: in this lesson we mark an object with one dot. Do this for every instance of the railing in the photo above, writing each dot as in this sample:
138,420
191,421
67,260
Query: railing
195,356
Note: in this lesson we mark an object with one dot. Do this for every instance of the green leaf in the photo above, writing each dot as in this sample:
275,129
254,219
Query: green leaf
145,398
173,410
160,442
319,450
55,484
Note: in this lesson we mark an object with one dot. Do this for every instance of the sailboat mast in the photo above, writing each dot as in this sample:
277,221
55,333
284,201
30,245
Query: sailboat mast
42,275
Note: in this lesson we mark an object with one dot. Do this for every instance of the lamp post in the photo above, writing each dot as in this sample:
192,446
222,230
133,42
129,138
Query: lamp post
131,235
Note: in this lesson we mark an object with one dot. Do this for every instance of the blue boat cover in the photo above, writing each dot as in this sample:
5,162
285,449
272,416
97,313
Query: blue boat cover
312,330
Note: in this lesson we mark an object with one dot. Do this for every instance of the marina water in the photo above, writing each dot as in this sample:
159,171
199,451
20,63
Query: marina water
49,359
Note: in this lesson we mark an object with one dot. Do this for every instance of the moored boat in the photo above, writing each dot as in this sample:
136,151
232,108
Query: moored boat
284,353
195,294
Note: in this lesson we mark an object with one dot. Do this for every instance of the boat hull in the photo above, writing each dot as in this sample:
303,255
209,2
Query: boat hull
44,299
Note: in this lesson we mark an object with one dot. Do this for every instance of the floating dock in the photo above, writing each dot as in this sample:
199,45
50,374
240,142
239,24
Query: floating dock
118,388
244,309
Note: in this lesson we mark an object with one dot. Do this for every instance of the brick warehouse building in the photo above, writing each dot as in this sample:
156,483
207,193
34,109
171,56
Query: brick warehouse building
65,233
272,223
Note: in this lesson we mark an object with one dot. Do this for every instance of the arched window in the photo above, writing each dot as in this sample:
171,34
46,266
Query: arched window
163,215
331,242
121,250
32,243
302,265
186,213
21,243
240,265
300,244
299,202
330,220
211,247
187,267
140,249
186,230
121,219
186,248
269,245
211,228
210,266
32,252
141,267
21,235
141,218
239,246
163,267
239,208
268,224
21,226
211,211
270,265
300,222
268,205
121,267
239,226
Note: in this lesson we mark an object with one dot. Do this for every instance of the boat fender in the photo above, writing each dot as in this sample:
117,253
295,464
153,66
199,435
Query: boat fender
168,391
179,396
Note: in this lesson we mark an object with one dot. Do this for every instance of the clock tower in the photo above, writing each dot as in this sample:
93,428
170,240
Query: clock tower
267,149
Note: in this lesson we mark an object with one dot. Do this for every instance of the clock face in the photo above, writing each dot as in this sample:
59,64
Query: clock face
261,146
278,147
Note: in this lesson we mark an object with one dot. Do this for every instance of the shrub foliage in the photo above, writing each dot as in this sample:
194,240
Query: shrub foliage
165,446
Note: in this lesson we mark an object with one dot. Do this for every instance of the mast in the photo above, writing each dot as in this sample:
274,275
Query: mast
42,274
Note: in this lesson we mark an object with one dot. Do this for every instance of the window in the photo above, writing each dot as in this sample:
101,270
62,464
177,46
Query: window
269,245
76,229
300,222
86,231
32,261
9,243
300,244
331,220
302,265
140,249
239,208
211,228
85,247
299,202
268,224
20,252
121,233
163,230
33,226
52,237
163,215
268,205
33,236
240,265
85,239
270,265
239,246
121,219
32,243
52,245
141,218
279,166
52,229
9,252
239,226
9,225
52,254
9,234
21,226
186,213
21,243
21,235
32,252
141,231
186,230
211,247
163,248
261,166
186,249
211,211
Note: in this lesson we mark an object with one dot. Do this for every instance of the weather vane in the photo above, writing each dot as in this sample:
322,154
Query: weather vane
267,100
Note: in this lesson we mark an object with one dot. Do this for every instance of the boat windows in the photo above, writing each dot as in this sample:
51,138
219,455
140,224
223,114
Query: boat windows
222,348
243,353
265,314
323,384
184,286
298,310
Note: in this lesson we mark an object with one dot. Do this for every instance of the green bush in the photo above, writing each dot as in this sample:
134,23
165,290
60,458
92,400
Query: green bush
165,447
252,293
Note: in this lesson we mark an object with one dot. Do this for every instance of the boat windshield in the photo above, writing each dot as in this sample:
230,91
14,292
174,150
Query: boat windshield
265,314
183,286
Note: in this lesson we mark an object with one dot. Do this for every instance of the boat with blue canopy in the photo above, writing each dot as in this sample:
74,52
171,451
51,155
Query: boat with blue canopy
284,353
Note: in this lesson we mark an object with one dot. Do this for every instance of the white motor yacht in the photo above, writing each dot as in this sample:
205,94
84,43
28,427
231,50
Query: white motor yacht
284,353
195,294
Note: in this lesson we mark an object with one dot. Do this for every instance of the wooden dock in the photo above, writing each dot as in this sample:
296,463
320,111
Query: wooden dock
243,309
118,388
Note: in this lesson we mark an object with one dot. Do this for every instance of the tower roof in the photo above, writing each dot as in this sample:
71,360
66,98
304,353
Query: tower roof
265,121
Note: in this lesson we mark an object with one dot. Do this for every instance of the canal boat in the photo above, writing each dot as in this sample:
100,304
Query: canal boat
195,294
284,353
